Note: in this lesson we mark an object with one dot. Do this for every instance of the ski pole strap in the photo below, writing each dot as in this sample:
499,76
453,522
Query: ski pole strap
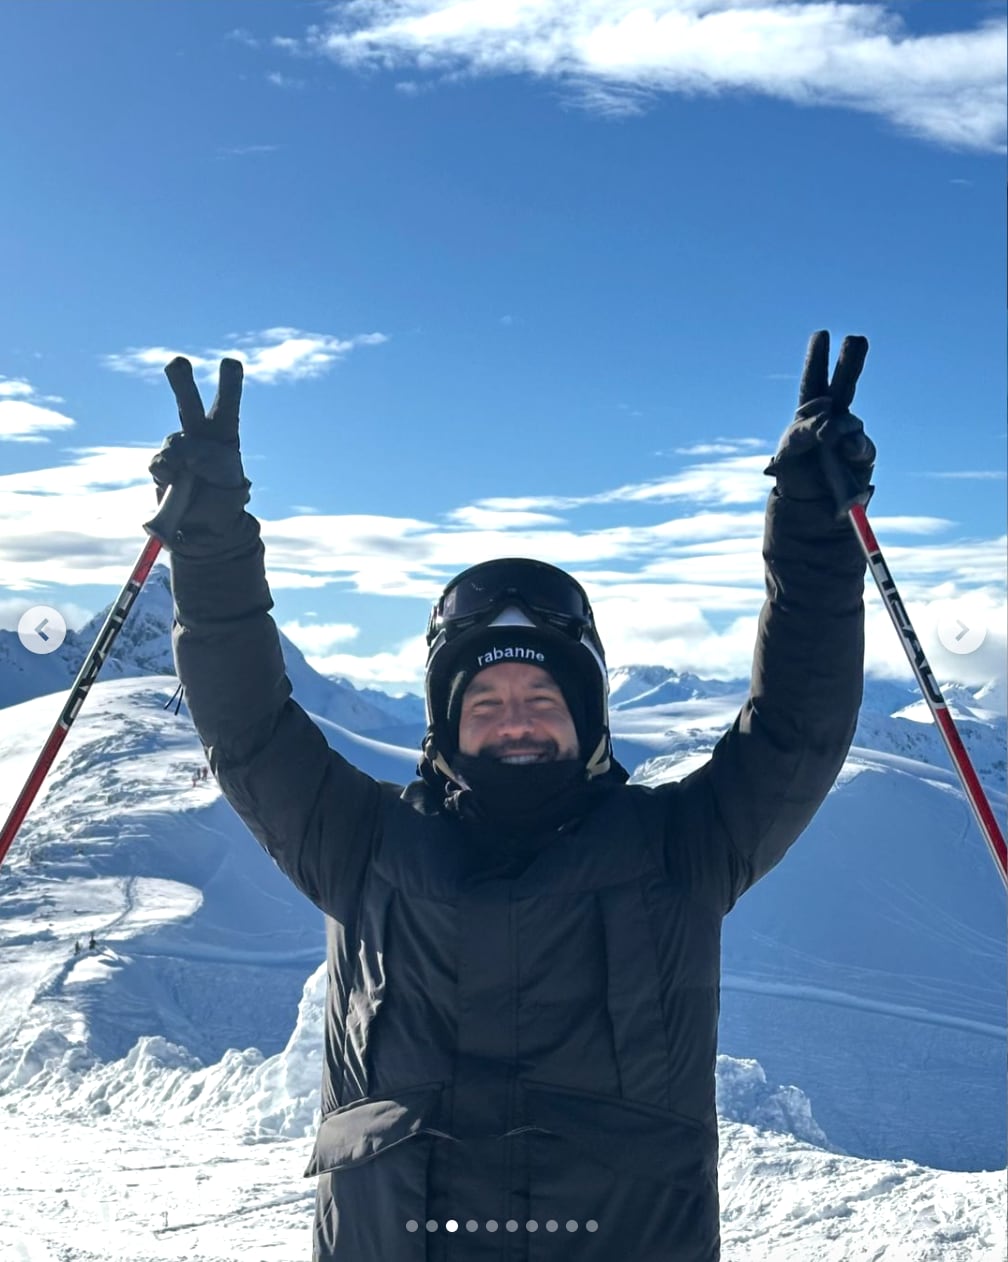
164,525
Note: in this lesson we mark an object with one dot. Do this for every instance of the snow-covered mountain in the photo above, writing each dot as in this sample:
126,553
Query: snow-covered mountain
143,647
638,686
862,1005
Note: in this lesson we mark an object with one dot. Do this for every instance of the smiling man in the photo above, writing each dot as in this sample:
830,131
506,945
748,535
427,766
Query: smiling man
516,714
523,948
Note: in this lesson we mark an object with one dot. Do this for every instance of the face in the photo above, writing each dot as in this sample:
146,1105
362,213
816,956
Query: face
516,712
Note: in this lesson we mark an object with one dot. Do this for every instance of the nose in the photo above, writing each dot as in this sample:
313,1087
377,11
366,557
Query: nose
516,719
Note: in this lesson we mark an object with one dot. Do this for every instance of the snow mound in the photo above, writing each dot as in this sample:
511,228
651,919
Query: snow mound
744,1095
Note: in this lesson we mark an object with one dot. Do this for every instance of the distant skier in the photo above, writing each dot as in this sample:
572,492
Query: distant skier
203,773
524,950
92,944
77,947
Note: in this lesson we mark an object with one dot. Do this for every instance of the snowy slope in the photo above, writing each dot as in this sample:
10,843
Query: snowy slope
875,954
868,970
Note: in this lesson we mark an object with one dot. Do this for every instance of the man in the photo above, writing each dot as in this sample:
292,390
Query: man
523,949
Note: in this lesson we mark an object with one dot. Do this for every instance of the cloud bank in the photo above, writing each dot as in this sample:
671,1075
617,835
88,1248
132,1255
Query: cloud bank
615,56
682,588
24,416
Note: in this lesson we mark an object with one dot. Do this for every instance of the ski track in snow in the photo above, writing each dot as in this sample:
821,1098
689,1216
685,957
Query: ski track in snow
820,994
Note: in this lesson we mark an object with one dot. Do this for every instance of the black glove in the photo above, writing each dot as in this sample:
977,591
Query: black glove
206,447
825,453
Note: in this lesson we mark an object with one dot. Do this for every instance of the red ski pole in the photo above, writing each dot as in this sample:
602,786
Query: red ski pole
853,505
161,529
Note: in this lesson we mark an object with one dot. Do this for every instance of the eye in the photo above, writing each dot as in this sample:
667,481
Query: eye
484,705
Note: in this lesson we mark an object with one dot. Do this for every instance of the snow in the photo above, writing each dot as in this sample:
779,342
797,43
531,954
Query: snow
159,1090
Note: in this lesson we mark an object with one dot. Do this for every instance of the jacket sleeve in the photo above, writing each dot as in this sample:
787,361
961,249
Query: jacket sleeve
734,818
314,813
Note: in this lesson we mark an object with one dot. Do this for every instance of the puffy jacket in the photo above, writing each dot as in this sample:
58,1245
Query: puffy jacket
527,1049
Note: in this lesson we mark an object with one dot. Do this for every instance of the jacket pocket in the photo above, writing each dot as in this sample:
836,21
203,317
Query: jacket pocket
364,1128
628,1137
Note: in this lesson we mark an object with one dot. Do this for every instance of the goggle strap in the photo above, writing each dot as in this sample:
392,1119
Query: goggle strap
599,763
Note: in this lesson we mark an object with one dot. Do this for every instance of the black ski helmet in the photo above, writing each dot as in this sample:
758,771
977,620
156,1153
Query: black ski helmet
540,613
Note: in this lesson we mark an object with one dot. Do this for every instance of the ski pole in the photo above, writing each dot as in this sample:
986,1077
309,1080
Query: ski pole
161,529
853,504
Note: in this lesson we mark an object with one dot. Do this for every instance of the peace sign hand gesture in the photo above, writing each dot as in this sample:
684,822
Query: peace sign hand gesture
825,452
203,461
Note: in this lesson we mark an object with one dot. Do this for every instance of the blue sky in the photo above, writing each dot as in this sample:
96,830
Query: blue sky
509,278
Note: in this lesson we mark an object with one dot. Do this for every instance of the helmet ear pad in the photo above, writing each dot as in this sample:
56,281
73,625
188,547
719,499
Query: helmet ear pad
575,668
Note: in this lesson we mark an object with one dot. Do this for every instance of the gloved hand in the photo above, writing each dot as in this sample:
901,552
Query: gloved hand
825,453
207,448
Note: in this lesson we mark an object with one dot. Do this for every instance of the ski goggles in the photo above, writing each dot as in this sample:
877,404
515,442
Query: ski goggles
546,594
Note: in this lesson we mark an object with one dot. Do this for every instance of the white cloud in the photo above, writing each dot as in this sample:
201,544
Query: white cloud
884,653
77,523
499,519
721,447
272,355
11,609
401,667
22,418
319,637
909,525
613,55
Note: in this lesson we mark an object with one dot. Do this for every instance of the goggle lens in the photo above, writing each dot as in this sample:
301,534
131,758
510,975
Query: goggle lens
548,595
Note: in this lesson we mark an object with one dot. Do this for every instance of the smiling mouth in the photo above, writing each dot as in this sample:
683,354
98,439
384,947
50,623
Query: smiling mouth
518,760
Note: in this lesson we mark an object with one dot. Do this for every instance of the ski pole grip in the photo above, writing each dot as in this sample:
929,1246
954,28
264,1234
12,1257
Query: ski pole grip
845,487
164,525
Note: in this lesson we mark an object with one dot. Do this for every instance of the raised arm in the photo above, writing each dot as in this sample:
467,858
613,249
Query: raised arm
735,817
313,811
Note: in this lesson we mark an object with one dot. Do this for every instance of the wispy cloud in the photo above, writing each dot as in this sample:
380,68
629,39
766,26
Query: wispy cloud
721,447
980,475
244,151
277,354
24,416
614,56
479,518
241,35
289,82
735,479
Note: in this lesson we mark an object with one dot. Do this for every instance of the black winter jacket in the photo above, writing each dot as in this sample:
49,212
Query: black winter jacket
526,1050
